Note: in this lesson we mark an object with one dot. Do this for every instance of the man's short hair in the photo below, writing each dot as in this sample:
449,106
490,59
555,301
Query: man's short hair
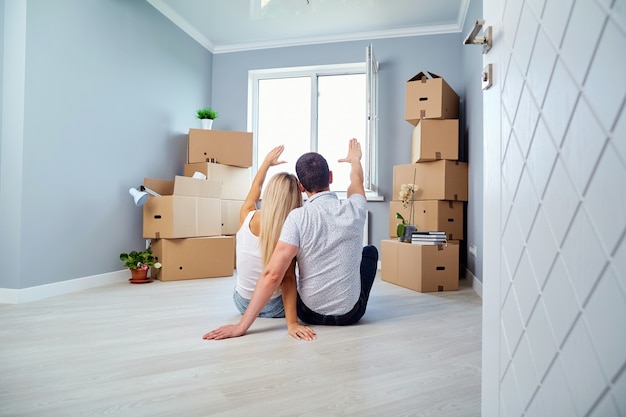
313,173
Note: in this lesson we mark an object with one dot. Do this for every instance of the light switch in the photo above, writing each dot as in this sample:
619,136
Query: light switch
487,77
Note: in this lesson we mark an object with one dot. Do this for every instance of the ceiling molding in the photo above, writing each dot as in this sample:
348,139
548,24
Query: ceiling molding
182,23
398,33
463,13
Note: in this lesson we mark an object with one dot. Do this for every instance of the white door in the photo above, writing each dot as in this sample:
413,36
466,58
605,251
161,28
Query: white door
554,281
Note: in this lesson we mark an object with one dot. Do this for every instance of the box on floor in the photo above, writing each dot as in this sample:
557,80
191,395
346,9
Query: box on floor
421,268
192,258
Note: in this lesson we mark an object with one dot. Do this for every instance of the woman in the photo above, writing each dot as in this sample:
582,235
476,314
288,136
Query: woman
257,235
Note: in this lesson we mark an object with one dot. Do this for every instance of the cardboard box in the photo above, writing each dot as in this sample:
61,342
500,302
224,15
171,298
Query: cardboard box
221,146
236,181
187,207
433,215
230,216
201,257
428,96
437,180
420,267
434,139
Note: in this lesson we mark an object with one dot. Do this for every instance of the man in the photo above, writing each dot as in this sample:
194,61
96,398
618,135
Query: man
325,235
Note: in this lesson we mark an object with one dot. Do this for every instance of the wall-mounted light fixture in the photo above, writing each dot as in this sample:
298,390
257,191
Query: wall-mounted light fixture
484,40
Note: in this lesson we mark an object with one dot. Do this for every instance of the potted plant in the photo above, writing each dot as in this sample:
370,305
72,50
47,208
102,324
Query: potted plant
406,228
138,263
401,226
206,116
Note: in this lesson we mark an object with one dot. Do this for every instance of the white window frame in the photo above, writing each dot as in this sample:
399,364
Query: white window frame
370,142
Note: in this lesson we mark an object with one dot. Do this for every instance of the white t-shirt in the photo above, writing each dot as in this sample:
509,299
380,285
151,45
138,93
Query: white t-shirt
329,233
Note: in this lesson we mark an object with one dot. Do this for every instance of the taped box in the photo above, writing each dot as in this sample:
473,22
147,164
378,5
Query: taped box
187,207
422,268
428,96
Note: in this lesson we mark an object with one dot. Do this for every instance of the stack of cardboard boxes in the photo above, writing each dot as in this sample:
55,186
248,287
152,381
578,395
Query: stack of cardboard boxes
432,107
193,223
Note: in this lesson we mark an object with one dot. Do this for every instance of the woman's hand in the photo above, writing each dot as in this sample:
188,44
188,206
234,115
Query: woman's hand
272,156
225,332
300,332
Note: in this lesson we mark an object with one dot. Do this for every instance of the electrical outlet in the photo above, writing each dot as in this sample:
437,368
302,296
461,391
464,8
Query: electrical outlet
472,250
147,243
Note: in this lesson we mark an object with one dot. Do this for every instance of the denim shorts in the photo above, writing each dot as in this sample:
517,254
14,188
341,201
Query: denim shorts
273,309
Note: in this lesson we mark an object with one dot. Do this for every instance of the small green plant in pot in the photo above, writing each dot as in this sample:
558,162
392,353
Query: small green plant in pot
401,226
207,113
139,262
206,116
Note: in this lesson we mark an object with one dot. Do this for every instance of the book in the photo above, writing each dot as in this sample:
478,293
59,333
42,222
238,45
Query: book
427,233
428,237
429,242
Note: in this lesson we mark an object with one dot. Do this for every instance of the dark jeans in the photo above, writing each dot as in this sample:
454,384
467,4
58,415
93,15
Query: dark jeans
369,263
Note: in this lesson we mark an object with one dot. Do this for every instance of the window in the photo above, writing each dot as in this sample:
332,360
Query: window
316,109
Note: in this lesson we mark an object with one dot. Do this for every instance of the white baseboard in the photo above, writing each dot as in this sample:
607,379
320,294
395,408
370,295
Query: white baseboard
24,295
477,286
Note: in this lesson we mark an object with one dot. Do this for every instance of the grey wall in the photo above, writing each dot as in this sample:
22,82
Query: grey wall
120,85
1,67
111,88
472,141
399,58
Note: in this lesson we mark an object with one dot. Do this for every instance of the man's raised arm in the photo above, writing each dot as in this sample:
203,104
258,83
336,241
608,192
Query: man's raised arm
356,173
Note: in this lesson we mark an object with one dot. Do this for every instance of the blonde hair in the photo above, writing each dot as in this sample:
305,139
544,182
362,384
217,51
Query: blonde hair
281,195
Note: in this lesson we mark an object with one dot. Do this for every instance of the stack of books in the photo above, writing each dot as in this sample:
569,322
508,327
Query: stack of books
421,237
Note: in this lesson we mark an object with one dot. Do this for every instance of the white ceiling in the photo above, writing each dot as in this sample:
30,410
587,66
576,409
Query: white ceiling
238,25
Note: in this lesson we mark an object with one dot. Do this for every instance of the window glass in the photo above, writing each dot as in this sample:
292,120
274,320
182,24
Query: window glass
316,109
341,116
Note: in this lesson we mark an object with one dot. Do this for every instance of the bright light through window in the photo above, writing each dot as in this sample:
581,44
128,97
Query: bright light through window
316,109
284,119
341,116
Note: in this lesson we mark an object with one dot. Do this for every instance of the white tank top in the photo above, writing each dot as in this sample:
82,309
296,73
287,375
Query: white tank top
249,264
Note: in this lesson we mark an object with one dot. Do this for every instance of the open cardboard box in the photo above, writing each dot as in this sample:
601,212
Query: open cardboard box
187,207
235,180
428,96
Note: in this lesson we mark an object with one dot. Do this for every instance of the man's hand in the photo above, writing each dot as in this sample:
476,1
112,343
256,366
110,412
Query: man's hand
224,332
356,170
354,152
298,331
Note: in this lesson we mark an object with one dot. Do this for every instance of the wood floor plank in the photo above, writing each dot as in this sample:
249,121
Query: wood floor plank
137,350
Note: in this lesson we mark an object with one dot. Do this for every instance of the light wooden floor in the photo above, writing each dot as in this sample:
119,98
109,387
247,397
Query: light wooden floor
137,350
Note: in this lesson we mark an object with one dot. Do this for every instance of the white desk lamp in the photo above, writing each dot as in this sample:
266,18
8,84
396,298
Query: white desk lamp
140,196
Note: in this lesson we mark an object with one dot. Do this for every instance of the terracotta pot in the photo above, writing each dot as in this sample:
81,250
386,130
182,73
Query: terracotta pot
139,276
